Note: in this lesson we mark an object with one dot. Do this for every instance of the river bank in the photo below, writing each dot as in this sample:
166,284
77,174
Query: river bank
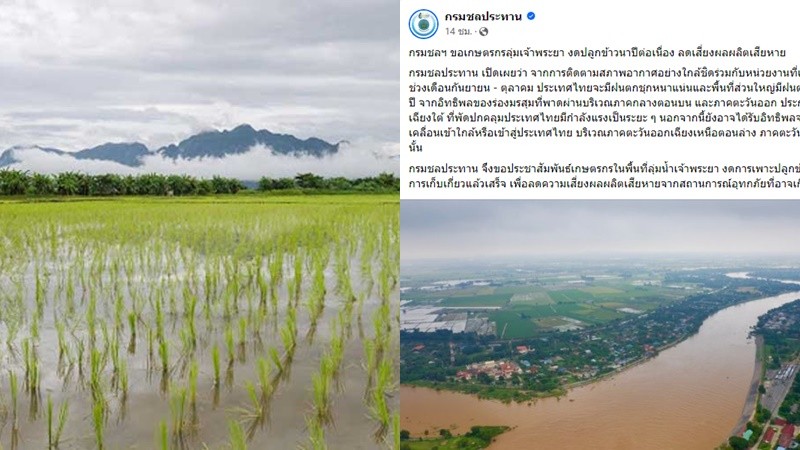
532,396
628,366
752,394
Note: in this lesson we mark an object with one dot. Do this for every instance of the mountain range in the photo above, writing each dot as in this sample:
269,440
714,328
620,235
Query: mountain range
208,144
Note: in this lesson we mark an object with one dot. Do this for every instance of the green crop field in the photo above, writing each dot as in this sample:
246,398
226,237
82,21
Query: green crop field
602,290
532,297
549,302
513,289
212,322
522,320
570,296
477,300
512,324
594,314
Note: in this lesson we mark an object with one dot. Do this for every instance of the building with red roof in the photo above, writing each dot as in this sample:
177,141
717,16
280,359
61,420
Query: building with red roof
769,435
787,435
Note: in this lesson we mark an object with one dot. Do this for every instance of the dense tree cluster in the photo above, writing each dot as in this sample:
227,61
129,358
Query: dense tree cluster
16,182
383,182
477,437
738,443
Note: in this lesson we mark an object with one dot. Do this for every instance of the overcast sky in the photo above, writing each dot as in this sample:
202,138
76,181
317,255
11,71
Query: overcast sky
474,229
78,73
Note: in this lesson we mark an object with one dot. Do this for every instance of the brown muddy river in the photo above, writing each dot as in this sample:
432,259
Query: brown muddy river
688,397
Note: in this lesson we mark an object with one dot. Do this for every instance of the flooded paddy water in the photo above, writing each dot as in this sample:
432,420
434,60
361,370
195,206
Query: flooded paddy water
166,324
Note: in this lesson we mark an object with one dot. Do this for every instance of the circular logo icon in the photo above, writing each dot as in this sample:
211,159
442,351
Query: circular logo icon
423,23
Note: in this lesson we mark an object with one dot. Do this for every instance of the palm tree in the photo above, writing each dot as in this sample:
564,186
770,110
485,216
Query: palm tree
13,182
309,181
108,184
42,184
67,183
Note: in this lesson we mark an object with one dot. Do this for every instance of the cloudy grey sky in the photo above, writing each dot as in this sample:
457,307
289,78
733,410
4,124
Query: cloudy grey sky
474,229
77,73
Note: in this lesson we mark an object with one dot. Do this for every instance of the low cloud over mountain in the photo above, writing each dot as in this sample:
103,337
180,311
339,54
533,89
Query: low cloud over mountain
242,152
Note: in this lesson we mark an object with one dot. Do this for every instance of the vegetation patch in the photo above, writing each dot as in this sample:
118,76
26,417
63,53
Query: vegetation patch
477,300
478,437
571,296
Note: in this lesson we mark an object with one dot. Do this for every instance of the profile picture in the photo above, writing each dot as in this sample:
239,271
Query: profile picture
423,24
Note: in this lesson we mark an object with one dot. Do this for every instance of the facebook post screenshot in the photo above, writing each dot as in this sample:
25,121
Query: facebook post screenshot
679,99
599,221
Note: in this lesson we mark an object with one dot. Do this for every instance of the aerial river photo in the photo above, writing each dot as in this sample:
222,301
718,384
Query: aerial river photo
690,396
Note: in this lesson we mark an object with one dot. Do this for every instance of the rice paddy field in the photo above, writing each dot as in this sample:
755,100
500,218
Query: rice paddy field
258,322
524,303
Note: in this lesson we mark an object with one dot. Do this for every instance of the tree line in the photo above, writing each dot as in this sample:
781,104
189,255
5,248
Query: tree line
18,182
383,182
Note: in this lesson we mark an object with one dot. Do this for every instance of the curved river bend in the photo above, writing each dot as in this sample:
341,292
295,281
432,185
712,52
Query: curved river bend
688,397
